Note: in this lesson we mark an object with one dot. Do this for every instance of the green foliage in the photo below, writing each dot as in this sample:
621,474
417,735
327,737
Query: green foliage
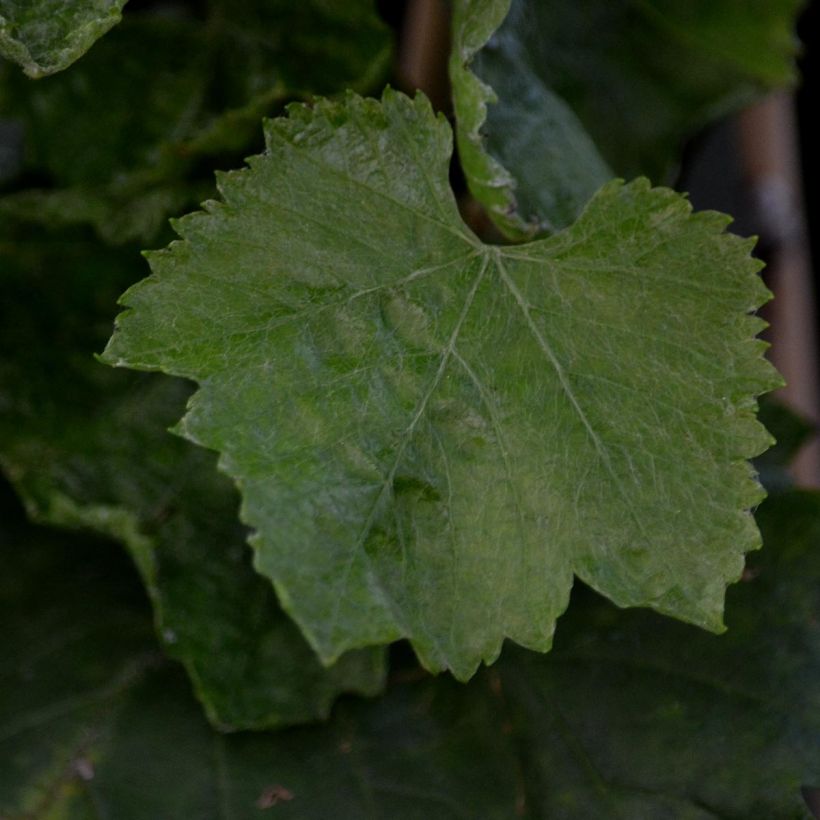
440,439
629,716
552,95
44,36
127,163
83,465
430,435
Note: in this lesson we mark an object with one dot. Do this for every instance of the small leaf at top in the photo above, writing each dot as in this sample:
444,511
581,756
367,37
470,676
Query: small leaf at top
527,157
431,434
45,36
548,94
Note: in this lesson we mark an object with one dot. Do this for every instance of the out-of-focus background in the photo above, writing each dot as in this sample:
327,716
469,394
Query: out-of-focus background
761,166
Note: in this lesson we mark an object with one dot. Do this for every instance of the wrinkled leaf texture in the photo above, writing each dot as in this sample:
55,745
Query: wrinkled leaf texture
45,36
432,435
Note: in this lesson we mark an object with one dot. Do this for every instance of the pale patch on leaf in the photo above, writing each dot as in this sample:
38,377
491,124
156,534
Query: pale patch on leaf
548,96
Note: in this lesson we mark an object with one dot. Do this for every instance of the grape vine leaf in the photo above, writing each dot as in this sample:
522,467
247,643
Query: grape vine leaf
104,462
432,435
45,36
199,98
548,96
631,715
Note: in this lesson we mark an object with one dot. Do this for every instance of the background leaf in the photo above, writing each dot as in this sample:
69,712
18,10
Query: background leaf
790,432
631,715
431,435
198,101
44,36
97,725
554,166
104,461
559,92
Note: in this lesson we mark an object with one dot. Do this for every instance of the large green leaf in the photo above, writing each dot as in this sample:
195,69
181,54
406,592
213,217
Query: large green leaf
120,137
87,447
430,434
631,716
539,92
44,36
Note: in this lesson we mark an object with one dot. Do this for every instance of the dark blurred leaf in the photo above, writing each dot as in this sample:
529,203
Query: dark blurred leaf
791,432
120,136
11,149
93,725
76,637
118,217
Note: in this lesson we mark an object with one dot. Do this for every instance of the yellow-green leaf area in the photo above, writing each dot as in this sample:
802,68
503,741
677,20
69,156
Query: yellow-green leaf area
433,435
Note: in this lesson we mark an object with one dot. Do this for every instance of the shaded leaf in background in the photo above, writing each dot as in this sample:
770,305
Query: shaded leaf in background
532,165
631,717
583,86
790,431
45,36
87,447
92,721
76,636
432,435
200,97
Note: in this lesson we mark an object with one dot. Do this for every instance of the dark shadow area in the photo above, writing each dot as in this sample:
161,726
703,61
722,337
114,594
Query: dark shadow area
808,94
811,794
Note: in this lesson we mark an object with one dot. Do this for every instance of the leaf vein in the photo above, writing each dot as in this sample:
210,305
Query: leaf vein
403,444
